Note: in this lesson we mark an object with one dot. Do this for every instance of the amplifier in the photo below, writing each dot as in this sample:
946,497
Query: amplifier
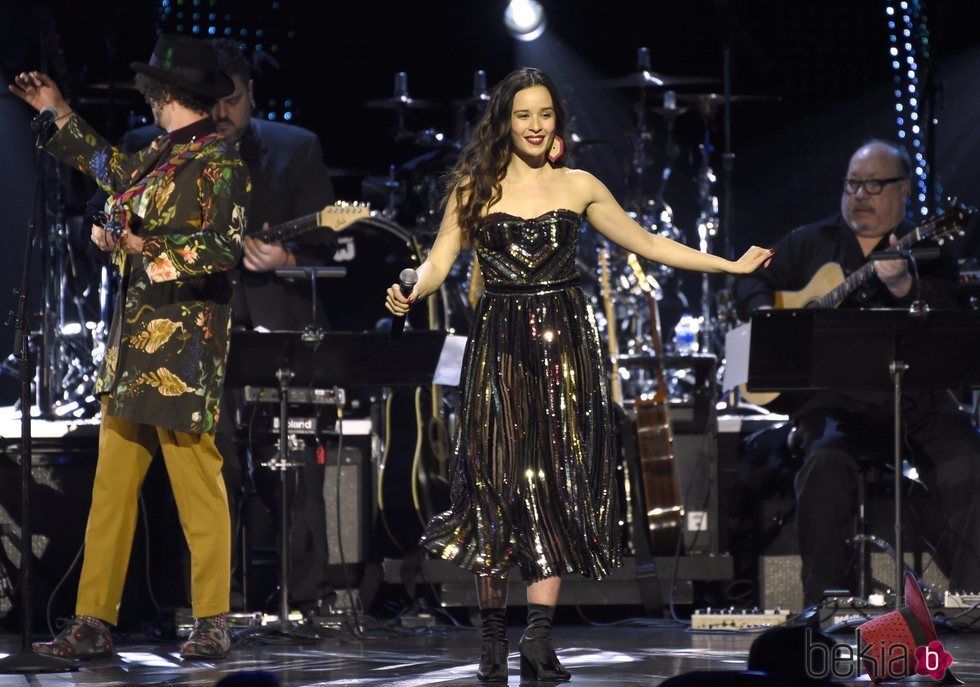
781,585
346,505
298,395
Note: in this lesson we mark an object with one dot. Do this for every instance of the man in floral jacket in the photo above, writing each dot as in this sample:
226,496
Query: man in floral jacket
178,214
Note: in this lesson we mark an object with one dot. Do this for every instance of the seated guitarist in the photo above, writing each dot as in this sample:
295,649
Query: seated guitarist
836,431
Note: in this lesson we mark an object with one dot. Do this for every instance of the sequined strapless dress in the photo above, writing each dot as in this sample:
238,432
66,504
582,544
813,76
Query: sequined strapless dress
533,474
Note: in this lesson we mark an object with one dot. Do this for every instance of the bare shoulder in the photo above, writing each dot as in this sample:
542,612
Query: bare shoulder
577,176
585,186
579,180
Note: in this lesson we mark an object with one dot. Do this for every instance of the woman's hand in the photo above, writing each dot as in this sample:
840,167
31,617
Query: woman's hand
39,91
754,258
396,303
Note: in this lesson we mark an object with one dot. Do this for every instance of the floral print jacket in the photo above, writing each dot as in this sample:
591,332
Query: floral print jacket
168,342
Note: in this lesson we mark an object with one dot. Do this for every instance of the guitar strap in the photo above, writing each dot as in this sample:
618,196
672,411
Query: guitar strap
176,161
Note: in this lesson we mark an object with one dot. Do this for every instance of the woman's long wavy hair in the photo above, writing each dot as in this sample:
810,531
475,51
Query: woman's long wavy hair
481,166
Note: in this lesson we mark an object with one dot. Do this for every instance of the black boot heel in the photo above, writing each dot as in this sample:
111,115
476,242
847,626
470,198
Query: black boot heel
493,662
493,656
539,662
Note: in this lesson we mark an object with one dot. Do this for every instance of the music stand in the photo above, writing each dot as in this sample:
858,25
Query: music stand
312,332
866,350
335,359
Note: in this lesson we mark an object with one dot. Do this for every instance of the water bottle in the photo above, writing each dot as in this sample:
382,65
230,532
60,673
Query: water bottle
686,335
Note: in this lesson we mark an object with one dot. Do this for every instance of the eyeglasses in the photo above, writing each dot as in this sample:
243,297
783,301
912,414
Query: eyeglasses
871,186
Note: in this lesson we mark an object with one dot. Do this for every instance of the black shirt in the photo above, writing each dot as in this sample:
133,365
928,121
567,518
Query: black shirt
802,252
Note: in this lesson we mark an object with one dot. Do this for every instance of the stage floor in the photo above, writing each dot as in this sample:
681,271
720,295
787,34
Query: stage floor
638,652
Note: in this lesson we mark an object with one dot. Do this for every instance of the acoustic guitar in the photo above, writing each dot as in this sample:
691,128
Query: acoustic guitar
829,287
655,439
625,482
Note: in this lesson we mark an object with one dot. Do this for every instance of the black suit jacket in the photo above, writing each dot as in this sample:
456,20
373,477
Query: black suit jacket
289,180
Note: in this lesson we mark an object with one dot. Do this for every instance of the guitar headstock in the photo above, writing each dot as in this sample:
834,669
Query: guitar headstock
342,214
950,224
112,222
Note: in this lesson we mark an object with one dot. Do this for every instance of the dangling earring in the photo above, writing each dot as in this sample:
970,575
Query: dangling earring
557,149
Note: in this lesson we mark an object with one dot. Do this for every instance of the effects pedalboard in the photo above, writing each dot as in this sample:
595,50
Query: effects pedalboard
962,600
731,620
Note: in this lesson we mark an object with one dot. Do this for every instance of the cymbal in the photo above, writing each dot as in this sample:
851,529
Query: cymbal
650,79
401,103
433,138
345,172
674,111
114,85
474,101
712,100
579,141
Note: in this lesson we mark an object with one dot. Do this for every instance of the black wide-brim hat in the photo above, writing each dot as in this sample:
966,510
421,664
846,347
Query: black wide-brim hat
190,64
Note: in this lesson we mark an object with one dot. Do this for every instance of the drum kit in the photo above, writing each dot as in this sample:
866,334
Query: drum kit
409,198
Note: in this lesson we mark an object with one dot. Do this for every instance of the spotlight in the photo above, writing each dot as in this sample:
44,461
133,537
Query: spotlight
524,19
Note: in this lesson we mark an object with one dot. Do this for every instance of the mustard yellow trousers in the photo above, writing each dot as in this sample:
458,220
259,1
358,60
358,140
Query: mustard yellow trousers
193,464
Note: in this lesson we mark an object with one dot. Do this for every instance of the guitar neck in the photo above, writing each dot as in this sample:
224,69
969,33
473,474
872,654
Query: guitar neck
609,310
836,296
291,229
658,348
634,264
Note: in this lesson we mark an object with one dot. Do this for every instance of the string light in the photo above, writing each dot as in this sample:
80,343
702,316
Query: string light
265,28
907,20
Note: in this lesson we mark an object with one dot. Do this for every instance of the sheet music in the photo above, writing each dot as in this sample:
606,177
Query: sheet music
450,363
737,356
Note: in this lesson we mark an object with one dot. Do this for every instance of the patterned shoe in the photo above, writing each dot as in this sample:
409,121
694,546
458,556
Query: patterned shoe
209,639
83,637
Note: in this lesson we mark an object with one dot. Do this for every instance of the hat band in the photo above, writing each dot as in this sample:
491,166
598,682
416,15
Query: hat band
192,73
915,626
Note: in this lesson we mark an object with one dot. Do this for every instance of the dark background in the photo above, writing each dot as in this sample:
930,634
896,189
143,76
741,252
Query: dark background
826,62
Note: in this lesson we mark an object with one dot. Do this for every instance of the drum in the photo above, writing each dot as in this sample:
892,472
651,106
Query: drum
374,251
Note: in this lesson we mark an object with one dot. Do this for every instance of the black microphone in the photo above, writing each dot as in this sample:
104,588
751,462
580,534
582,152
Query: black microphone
43,119
406,282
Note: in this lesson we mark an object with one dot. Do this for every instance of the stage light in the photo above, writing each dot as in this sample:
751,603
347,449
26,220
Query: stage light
907,56
524,19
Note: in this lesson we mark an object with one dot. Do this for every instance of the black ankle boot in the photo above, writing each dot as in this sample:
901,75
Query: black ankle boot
493,658
538,659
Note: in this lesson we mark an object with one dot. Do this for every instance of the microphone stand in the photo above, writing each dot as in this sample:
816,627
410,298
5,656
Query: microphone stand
26,661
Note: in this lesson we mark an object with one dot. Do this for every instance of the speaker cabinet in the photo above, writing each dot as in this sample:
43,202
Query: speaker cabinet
346,504
781,585
696,459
